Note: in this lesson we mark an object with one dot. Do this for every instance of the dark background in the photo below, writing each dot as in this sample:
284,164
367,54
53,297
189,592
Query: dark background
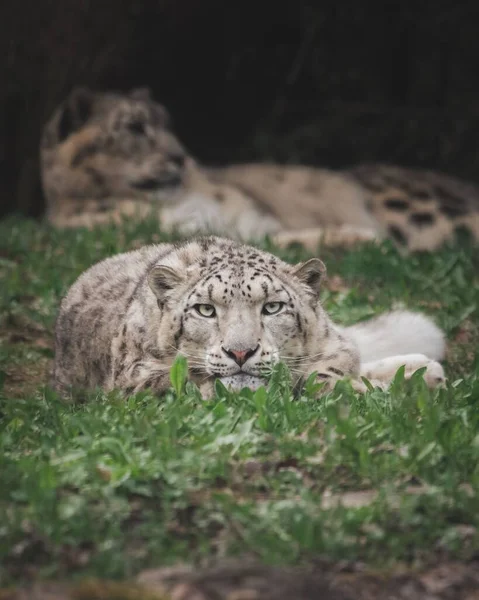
327,83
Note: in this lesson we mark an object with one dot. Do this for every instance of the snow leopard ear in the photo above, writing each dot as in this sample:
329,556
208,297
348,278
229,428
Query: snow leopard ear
158,113
75,111
311,273
163,279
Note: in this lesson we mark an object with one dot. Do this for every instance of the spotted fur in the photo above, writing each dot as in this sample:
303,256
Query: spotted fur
110,155
420,209
232,310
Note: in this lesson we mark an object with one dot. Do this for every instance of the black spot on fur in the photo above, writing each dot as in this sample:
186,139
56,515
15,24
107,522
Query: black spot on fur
205,243
397,234
453,210
398,204
420,194
422,219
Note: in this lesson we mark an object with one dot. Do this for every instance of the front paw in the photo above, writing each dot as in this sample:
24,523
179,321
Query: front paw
385,369
434,375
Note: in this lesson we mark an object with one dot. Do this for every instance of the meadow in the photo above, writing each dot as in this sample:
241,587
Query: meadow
107,486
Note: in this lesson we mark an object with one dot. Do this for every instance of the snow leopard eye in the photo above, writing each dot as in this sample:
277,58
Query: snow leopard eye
205,310
272,308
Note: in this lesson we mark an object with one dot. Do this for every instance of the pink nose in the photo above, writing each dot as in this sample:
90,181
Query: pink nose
241,356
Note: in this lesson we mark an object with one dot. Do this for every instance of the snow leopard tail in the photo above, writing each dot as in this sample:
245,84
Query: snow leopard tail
396,333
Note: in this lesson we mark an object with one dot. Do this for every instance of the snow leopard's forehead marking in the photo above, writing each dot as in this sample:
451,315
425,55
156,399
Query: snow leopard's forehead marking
230,272
221,253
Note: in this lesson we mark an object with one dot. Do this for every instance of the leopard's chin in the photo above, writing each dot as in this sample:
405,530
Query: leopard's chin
242,380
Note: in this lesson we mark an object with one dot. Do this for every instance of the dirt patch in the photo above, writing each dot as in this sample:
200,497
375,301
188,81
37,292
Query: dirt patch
462,348
30,350
249,580
22,380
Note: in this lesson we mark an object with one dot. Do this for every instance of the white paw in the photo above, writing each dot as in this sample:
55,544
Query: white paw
434,375
386,368
344,235
351,234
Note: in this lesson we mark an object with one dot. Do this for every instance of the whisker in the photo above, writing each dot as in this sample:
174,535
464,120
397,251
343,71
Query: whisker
304,364
186,354
303,357
193,356
296,359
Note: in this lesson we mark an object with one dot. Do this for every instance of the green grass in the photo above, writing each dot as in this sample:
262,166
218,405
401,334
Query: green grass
110,486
